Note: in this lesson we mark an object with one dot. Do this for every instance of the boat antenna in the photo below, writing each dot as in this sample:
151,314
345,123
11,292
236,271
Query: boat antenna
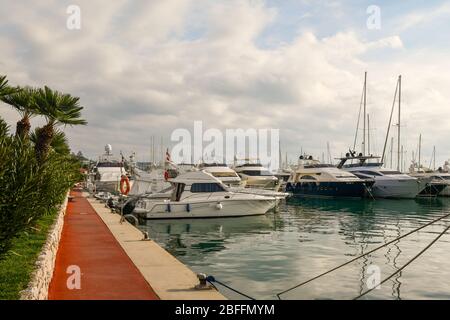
389,125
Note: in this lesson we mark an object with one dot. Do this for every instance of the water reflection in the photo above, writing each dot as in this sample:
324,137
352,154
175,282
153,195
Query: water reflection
267,254
195,237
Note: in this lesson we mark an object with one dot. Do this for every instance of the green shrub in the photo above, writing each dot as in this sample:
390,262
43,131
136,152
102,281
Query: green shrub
28,189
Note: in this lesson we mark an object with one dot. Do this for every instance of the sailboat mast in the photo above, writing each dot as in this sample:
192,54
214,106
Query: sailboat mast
392,147
280,158
420,147
403,167
364,113
399,109
368,135
434,158
389,125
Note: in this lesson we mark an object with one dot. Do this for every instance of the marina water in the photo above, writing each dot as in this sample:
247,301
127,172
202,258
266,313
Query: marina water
264,255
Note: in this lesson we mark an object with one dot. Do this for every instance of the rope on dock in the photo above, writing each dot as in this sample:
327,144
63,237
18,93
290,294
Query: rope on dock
407,263
363,255
211,279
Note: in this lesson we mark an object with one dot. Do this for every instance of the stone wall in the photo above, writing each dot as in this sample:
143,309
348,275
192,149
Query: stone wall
42,275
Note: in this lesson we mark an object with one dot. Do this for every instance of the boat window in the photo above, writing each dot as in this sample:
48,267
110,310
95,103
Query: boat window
176,195
371,173
391,172
224,174
257,173
307,178
360,175
110,164
344,176
206,187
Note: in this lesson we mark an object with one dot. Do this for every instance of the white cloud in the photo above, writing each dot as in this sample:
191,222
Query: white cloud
144,68
421,17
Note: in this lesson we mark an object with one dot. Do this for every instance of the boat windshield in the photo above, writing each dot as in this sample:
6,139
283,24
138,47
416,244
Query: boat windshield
370,173
206,187
224,174
256,173
318,165
109,164
393,172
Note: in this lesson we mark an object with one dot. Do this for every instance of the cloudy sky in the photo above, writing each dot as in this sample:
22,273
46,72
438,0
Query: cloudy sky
144,68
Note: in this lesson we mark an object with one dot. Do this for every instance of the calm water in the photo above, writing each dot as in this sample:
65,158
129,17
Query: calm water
264,255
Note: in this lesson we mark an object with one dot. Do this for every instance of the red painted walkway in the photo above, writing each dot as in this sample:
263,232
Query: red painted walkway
106,271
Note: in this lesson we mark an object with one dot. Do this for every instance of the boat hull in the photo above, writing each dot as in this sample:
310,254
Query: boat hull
357,189
432,190
230,208
399,189
445,192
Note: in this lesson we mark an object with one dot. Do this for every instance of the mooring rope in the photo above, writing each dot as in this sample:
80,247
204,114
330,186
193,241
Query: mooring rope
369,192
406,264
211,279
363,255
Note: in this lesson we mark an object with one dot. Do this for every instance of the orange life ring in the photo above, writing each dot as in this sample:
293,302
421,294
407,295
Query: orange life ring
166,175
124,185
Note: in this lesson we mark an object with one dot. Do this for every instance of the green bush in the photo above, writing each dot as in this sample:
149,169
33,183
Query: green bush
29,189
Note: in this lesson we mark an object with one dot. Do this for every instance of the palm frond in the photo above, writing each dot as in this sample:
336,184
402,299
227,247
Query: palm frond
59,108
5,89
23,101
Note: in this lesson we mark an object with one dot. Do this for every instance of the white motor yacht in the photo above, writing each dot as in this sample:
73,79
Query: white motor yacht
107,172
256,175
388,183
311,178
199,194
222,172
435,183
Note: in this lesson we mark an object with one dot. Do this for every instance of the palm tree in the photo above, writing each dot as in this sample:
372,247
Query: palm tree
58,109
23,101
59,142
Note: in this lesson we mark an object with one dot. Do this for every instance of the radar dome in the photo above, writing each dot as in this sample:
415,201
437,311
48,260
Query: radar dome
108,149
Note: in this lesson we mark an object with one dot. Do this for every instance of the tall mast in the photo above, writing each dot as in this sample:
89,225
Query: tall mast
420,147
280,158
392,147
364,113
329,153
403,168
368,135
161,152
389,125
398,135
151,149
434,158
285,160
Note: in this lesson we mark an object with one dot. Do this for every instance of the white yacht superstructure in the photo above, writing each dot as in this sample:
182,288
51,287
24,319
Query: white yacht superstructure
388,183
311,178
199,194
436,183
107,172
256,175
222,172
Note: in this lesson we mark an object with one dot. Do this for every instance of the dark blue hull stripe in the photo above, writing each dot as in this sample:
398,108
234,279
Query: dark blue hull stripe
328,189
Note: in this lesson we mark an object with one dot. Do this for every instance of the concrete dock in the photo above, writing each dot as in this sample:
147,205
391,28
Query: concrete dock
115,262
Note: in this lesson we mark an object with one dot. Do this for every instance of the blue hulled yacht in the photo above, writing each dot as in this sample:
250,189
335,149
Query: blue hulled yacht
311,178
